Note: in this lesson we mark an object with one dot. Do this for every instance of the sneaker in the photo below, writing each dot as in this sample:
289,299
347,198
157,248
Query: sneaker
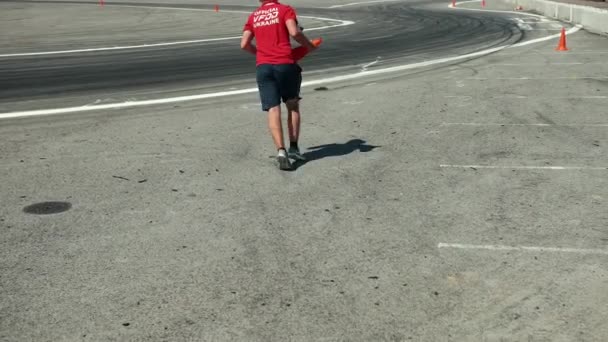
283,160
294,153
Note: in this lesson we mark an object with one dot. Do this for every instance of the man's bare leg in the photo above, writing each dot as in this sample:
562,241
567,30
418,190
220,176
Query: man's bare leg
276,127
293,125
276,130
293,121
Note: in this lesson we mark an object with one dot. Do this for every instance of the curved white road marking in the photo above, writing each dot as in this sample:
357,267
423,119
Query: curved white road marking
362,74
25,54
141,46
363,3
464,2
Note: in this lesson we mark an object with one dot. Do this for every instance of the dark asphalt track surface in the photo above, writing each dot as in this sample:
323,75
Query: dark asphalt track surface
394,32
181,228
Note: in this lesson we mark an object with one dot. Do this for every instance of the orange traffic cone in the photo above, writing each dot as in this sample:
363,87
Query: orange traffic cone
483,3
217,8
562,42
301,51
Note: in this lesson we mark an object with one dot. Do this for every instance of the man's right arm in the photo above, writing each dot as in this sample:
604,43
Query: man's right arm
246,42
248,37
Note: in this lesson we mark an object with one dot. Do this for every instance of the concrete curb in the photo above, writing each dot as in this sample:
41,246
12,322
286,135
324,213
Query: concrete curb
592,19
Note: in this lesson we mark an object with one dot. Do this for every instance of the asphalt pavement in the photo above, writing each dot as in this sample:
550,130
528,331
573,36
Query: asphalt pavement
456,201
383,35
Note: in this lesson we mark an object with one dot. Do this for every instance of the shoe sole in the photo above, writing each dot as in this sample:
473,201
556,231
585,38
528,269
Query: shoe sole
284,163
296,157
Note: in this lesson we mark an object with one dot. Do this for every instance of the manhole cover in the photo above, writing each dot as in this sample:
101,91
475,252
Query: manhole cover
45,208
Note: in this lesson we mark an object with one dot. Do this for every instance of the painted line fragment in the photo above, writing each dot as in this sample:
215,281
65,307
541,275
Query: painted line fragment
524,248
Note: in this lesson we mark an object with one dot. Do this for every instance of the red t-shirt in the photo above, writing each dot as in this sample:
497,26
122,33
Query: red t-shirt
267,24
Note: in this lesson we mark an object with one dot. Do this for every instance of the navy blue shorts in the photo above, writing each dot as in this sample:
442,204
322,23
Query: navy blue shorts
278,82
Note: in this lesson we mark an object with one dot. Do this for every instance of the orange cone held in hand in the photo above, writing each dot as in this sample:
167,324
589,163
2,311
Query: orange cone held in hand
562,42
301,51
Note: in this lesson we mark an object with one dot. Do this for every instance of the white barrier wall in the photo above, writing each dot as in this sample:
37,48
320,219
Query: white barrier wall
593,19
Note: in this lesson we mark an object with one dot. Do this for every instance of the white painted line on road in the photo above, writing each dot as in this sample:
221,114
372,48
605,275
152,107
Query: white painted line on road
183,8
549,64
63,52
367,65
591,97
464,2
579,51
544,53
362,3
182,42
529,78
373,38
524,248
537,64
520,124
338,21
598,97
252,90
522,167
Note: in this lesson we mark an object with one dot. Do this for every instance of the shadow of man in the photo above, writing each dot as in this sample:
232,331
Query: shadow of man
334,150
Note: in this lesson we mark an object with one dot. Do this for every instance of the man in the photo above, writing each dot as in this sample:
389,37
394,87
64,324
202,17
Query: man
277,74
